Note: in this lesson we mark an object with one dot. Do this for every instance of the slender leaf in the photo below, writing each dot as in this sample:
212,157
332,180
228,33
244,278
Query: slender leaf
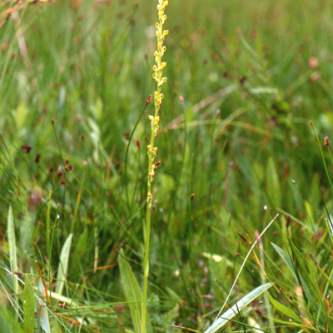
286,258
28,307
12,247
283,309
43,315
44,320
239,306
8,322
168,318
273,185
132,292
63,265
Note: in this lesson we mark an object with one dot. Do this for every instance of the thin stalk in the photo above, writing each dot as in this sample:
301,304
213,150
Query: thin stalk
322,155
127,150
242,266
263,281
158,96
330,154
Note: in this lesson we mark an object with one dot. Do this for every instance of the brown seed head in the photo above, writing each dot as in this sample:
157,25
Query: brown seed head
326,141
37,157
26,148
148,99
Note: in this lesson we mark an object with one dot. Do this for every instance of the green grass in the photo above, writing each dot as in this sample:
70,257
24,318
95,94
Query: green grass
237,151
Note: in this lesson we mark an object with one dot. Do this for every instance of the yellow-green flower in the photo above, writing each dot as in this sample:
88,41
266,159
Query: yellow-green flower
158,96
154,120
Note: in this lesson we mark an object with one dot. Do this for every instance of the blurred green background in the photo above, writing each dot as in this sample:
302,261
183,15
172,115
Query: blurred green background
245,78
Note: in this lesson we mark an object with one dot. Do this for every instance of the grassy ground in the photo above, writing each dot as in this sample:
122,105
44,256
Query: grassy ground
245,78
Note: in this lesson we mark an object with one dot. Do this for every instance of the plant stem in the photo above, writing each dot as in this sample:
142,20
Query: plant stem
158,96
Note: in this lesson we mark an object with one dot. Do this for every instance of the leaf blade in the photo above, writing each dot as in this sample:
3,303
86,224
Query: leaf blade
63,264
12,246
284,309
28,307
233,311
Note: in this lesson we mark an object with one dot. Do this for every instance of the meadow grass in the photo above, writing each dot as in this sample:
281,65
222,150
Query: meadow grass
235,145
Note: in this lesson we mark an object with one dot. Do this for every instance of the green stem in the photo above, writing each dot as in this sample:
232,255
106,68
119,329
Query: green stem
147,232
263,281
146,268
322,156
158,96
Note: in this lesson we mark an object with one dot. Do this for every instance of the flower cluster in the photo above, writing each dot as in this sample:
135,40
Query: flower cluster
158,68
158,96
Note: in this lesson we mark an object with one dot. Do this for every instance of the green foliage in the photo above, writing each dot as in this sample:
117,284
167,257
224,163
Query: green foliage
132,291
28,307
63,265
12,247
237,308
244,80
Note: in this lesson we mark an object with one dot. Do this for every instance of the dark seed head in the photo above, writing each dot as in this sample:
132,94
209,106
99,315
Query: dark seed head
37,157
326,141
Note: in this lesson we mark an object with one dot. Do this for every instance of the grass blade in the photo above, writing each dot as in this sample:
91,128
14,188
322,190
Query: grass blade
43,315
243,264
232,312
28,307
286,258
284,309
63,265
12,246
132,292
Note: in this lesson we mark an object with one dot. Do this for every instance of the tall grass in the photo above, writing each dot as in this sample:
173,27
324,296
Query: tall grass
244,80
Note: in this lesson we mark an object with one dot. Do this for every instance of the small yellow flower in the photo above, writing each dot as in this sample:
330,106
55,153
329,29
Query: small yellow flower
158,77
158,96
